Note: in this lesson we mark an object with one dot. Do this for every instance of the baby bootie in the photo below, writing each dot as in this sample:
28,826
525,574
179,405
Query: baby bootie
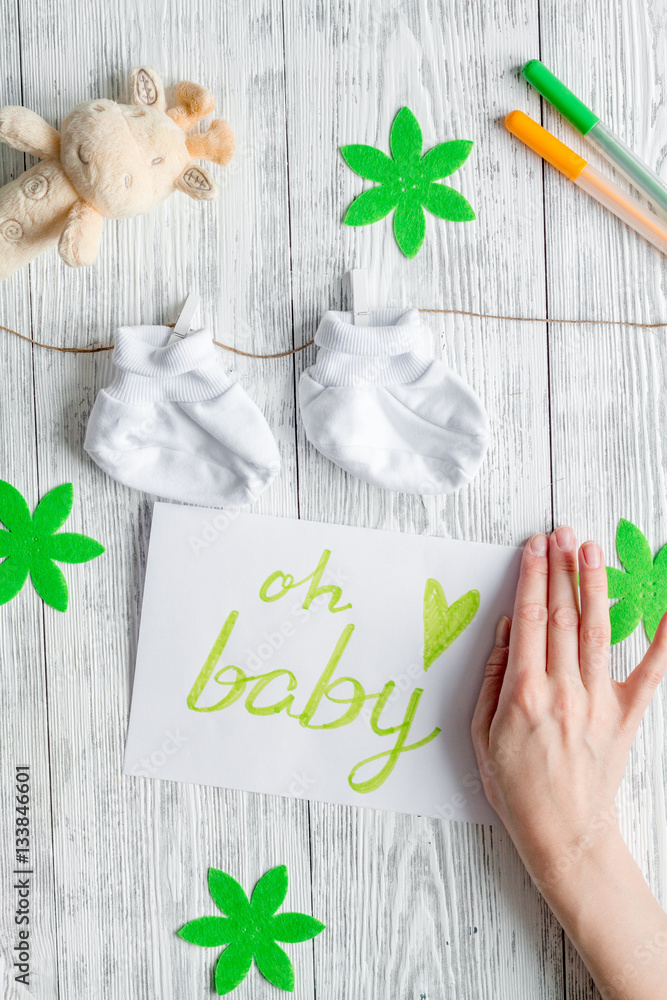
377,406
172,423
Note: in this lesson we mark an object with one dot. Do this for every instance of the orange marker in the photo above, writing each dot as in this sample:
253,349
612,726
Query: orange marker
585,176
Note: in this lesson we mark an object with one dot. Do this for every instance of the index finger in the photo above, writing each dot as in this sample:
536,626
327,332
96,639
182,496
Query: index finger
528,639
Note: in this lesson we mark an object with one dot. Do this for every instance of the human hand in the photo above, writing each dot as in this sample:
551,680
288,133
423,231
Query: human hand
552,730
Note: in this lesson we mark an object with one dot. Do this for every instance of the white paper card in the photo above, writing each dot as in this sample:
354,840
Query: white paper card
288,657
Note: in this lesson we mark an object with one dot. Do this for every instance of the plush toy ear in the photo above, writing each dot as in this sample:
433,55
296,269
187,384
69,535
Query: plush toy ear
197,183
147,88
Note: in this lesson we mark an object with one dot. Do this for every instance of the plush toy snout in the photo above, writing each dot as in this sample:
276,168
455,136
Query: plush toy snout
122,160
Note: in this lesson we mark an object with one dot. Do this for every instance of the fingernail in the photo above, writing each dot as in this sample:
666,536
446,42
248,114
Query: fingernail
538,544
564,538
592,555
503,633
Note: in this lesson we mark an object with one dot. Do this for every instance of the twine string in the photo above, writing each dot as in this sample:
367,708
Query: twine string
95,349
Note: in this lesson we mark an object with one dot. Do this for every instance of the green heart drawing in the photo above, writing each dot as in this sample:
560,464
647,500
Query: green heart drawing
444,623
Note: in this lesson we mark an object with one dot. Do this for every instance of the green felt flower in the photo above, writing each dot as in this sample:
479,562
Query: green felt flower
30,544
642,588
408,182
250,929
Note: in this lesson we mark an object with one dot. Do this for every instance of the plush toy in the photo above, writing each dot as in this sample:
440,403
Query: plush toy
108,161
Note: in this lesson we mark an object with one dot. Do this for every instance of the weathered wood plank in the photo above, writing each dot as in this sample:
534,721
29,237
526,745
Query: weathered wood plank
607,393
131,855
23,706
413,891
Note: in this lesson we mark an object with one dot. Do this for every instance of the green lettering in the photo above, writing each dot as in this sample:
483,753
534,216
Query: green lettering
356,702
314,589
236,688
287,586
263,682
371,784
323,688
209,667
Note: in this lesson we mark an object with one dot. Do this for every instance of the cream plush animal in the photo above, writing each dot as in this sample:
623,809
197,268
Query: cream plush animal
108,161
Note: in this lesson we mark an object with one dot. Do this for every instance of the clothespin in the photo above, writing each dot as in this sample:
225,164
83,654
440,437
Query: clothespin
187,315
357,280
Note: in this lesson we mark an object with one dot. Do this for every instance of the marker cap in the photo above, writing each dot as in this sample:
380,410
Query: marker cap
547,145
559,96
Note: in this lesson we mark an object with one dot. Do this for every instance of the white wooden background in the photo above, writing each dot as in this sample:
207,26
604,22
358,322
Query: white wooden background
414,907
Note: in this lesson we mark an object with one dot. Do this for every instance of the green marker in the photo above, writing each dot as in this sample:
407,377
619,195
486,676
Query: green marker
589,124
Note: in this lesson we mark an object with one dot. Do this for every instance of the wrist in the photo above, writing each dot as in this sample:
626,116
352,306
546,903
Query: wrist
606,908
583,862
567,860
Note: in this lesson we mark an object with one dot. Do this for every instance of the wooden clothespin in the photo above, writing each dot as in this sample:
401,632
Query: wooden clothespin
357,281
187,315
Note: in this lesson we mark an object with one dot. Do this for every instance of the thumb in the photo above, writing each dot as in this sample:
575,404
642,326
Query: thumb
494,674
642,683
